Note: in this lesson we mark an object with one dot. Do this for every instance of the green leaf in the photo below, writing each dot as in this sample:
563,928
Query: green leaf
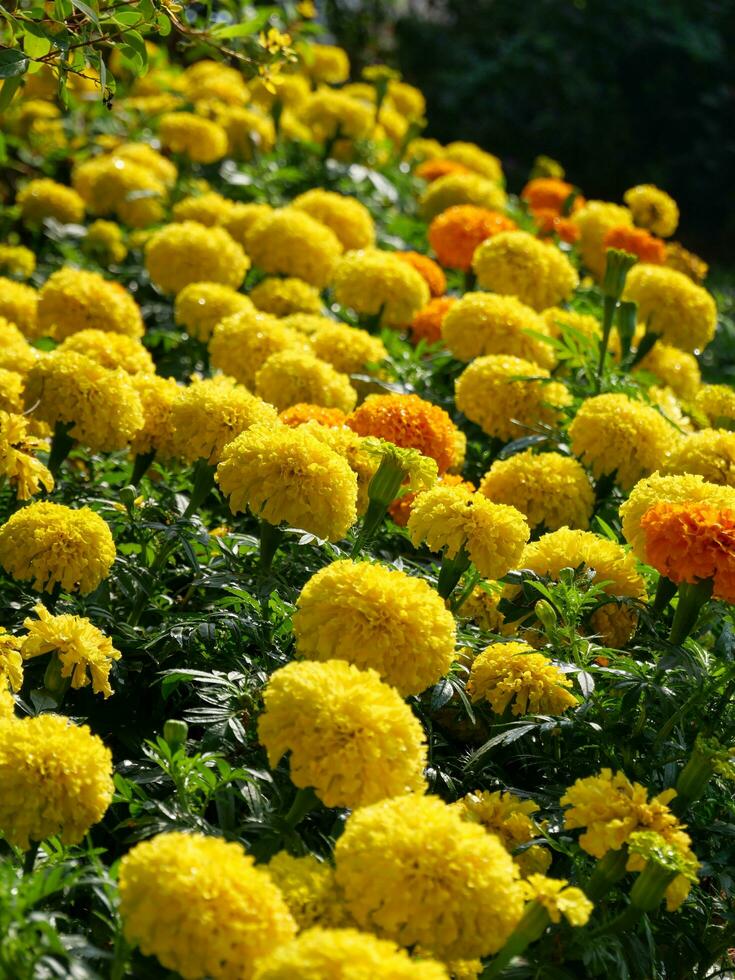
245,28
36,42
128,18
164,25
83,8
8,90
12,63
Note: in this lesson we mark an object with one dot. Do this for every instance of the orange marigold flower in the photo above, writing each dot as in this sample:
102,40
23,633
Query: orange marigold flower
549,222
409,422
427,324
400,509
455,233
638,242
426,267
302,412
549,193
438,167
692,542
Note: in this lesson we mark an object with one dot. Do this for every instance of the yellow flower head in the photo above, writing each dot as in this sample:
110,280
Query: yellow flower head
72,300
512,675
681,259
200,906
308,887
683,313
674,368
281,297
450,518
157,396
200,306
717,404
188,252
709,453
105,243
501,394
11,391
240,218
18,304
373,282
202,140
459,188
18,464
121,185
474,158
410,102
347,349
559,899
286,475
289,242
358,452
326,63
511,819
379,618
214,80
653,209
292,376
111,350
208,209
465,896
43,198
55,778
242,342
518,264
11,662
594,221
484,323
328,114
17,260
350,220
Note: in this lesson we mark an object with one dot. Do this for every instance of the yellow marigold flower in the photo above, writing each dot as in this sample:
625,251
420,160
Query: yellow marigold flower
658,488
119,185
482,608
682,313
717,404
674,368
512,675
511,819
49,544
214,80
281,297
289,242
7,704
17,260
18,303
325,63
453,189
549,489
501,395
200,906
465,897
612,434
347,954
379,618
188,252
474,158
241,344
329,113
594,221
105,243
308,888
84,652
209,414
43,198
449,519
347,349
350,736
55,779
241,217
484,323
428,269
373,282
292,376
102,405
111,350
653,209
350,220
284,474
613,568
202,140
200,306
153,161
359,452
18,465
11,391
73,299
303,412
410,102
157,396
518,264
208,209
555,895
679,258
291,91
11,662
709,453
308,324
16,354
423,149
409,422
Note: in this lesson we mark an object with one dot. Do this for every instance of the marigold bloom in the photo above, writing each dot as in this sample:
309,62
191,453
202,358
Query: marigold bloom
513,675
188,252
281,297
427,323
208,209
18,464
674,368
326,63
557,319
409,422
511,819
289,242
485,323
308,888
202,140
292,376
18,304
350,220
105,243
477,159
120,185
465,895
44,198
111,350
550,223
328,113
682,313
347,954
558,899
549,489
200,906
653,209
209,414
594,221
284,474
549,193
505,396
379,618
303,412
636,241
400,509
11,662
72,300
55,778
157,396
456,232
102,406
517,264
241,344
428,269
17,260
612,434
373,282
709,452
449,519
84,652
445,192
11,391
200,306
679,258
351,737
240,218
717,403
436,167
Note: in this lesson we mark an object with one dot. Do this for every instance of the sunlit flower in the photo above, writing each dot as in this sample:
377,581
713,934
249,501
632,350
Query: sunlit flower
457,231
653,209
377,283
682,313
517,264
350,220
188,252
73,299
200,306
512,675
18,463
485,323
427,323
512,820
202,140
289,242
291,376
453,189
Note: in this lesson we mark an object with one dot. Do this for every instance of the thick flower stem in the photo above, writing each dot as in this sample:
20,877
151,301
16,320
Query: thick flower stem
203,483
645,896
382,491
304,802
691,600
270,540
141,466
29,858
608,872
692,780
451,572
531,927
609,307
61,445
665,592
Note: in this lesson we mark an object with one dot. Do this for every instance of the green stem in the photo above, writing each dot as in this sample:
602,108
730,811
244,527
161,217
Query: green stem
470,280
121,955
29,858
609,307
531,927
608,872
451,572
374,516
304,802
203,483
665,592
691,599
141,466
61,445
270,540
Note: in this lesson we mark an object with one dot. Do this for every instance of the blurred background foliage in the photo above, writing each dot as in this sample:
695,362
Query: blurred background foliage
620,91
